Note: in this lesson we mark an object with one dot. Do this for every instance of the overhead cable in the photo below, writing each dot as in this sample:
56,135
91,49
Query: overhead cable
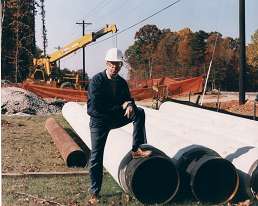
103,3
123,30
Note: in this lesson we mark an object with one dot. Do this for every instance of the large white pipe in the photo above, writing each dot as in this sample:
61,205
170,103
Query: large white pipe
229,135
202,164
241,129
151,180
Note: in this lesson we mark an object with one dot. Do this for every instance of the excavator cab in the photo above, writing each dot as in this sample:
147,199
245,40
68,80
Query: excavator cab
39,75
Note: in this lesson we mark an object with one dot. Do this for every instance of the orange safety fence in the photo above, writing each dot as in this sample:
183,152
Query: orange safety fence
140,89
142,93
152,88
192,85
53,92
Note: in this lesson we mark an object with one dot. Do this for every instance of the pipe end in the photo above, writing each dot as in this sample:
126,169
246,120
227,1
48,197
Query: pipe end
77,158
215,180
155,180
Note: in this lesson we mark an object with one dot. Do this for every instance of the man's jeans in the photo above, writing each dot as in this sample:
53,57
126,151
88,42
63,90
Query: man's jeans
98,141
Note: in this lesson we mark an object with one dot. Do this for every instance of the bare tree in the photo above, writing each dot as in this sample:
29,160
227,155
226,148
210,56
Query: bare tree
17,41
44,30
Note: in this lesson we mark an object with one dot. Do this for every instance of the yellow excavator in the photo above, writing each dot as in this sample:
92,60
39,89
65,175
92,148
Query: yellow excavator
43,67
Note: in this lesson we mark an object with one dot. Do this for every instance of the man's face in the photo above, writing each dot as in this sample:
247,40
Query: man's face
113,68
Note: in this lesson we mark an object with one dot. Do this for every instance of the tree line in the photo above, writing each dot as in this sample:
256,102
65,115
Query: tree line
180,54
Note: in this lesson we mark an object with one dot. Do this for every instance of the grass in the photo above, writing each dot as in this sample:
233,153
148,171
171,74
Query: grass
66,190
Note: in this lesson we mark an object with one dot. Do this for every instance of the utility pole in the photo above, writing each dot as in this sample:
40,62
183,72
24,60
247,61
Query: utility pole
83,50
242,70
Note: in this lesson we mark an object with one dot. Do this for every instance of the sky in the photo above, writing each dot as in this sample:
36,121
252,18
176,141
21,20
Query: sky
207,15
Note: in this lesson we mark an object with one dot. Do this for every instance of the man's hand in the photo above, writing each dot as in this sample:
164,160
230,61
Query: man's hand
125,104
129,112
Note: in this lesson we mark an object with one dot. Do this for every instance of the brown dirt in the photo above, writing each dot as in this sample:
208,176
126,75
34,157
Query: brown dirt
234,107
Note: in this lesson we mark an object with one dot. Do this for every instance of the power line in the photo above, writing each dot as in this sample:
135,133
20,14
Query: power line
103,3
115,10
159,11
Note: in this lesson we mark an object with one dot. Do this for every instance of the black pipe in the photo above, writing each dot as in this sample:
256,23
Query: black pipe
150,180
248,184
254,180
205,176
244,191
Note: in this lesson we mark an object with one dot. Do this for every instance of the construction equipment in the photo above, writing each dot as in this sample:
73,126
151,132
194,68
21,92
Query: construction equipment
44,68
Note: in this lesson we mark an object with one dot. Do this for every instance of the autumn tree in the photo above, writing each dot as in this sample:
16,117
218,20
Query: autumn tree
134,58
198,46
252,60
166,54
252,51
185,53
146,40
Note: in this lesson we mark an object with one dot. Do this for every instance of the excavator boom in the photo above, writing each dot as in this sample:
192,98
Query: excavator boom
81,42
44,64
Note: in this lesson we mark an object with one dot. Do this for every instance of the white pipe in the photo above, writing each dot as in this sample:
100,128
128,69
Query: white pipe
241,129
179,131
172,138
224,133
118,162
227,134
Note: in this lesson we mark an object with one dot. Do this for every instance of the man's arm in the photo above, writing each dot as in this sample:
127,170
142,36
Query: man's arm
94,102
128,106
97,100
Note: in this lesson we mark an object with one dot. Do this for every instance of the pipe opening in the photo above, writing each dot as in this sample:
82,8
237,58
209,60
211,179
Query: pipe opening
77,158
155,180
215,181
188,161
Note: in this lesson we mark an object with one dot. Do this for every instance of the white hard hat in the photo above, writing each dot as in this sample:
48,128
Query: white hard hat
114,55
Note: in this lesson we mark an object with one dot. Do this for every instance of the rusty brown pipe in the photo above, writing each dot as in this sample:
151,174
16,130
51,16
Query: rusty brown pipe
72,154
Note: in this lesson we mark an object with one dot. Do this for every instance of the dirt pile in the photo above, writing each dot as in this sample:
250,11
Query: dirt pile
234,107
16,100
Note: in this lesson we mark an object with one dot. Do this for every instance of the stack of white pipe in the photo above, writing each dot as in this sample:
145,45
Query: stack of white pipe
229,135
234,138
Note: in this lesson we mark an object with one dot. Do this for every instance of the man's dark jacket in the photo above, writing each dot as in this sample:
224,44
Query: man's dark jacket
105,99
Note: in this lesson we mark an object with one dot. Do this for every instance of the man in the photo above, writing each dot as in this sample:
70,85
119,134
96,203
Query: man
110,106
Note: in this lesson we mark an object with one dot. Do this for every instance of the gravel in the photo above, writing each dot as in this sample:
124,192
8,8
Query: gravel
18,101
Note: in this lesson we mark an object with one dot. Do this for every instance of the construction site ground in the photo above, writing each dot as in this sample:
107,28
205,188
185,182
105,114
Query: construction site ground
28,149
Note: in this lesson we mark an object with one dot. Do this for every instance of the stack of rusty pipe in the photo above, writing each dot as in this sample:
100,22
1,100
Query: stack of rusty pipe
72,154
